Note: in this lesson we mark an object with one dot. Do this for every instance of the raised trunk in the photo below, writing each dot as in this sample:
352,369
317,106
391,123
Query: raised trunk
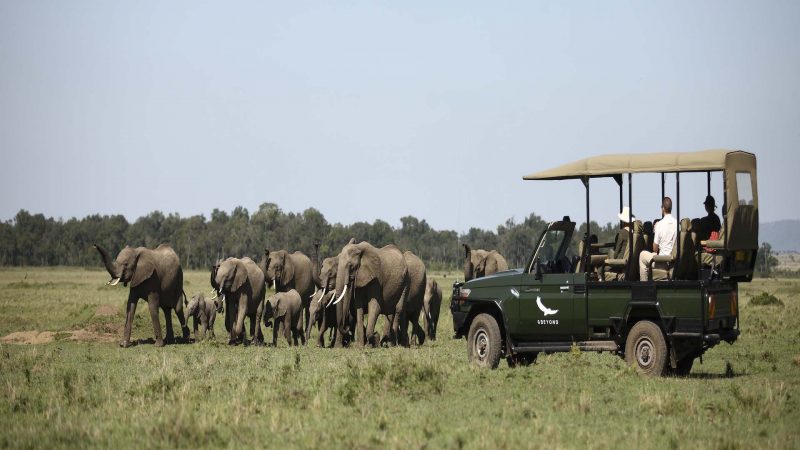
468,267
111,266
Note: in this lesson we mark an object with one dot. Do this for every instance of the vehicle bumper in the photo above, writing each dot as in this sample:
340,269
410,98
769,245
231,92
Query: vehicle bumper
458,321
728,336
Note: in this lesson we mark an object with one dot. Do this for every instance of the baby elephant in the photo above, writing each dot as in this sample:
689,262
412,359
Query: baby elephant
204,311
322,315
431,304
286,309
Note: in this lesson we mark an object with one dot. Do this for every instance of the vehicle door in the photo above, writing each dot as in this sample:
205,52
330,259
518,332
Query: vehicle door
546,289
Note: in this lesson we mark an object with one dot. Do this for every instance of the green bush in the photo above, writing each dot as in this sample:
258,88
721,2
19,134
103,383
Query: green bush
766,299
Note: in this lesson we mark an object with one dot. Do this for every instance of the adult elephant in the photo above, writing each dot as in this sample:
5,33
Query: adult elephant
155,276
377,280
409,309
480,263
230,314
286,271
240,282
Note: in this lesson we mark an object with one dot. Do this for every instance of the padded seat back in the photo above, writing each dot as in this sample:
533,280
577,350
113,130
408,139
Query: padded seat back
638,246
687,266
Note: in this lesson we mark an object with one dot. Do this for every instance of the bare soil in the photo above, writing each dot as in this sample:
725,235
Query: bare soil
35,337
106,311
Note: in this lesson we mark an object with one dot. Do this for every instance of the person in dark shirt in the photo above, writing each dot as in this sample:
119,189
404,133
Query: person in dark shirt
710,223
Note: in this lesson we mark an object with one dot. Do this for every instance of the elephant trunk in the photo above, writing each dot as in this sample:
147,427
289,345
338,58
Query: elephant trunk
111,266
468,268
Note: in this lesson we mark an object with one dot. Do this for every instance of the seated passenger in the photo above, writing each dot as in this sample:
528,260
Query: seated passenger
663,240
708,228
621,241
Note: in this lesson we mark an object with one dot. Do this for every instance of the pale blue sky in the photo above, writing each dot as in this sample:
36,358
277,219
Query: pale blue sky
369,110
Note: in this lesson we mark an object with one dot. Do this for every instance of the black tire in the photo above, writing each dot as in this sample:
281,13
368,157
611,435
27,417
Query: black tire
522,360
646,349
484,342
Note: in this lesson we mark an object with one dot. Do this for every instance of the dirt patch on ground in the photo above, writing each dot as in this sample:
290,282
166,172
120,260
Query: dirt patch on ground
43,337
29,337
106,311
91,336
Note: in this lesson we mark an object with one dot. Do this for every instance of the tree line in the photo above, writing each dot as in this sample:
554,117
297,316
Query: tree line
36,240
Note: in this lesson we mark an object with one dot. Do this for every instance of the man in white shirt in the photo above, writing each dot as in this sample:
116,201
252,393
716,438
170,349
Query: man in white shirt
663,240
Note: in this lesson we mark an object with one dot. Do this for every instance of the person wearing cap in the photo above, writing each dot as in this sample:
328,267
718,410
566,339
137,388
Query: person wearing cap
708,224
663,240
708,228
622,238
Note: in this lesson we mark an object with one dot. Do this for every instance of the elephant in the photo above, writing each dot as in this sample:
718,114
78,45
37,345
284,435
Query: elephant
155,275
323,317
327,277
409,312
240,282
204,311
480,263
230,314
377,279
287,271
432,301
285,308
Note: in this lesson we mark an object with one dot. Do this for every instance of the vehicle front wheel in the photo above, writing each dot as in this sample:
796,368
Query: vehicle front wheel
484,342
646,349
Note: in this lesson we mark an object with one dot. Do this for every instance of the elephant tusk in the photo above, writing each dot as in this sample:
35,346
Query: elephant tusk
321,296
333,296
315,292
215,295
113,282
341,296
273,284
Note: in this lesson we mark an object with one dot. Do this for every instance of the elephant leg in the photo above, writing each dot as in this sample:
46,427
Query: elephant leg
341,319
372,311
417,330
211,326
170,337
152,304
182,319
426,324
130,314
259,335
203,326
359,331
238,328
275,327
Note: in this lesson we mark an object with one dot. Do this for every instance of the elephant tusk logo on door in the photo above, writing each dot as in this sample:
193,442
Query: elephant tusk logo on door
547,311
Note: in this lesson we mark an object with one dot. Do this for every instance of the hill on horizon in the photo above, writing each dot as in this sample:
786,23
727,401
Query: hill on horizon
782,235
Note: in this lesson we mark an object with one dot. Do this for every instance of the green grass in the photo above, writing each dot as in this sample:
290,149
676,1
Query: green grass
88,394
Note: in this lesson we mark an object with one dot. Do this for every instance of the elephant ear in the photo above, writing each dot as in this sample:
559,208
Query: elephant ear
288,269
143,268
239,276
369,266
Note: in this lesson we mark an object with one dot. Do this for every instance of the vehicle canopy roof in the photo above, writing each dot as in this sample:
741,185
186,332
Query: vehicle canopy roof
611,165
738,167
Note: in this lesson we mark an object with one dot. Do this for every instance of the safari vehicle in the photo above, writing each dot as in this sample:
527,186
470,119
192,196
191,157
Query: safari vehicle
660,325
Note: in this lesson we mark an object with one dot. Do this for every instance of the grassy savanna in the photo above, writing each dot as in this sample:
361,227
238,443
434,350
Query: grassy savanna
81,390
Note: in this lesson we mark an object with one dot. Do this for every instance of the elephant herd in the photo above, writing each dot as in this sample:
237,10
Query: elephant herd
344,299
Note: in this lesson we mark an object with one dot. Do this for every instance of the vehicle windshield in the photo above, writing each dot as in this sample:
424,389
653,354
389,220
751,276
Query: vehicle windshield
550,254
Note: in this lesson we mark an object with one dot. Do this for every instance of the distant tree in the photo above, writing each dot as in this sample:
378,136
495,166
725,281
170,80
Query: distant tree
765,260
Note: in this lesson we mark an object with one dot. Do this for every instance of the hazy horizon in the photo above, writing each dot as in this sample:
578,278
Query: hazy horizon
371,111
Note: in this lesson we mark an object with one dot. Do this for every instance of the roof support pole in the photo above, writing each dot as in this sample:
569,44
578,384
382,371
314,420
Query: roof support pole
663,191
630,227
678,217
586,240
708,183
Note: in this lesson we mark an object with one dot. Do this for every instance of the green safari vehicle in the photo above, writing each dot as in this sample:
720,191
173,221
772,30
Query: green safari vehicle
660,325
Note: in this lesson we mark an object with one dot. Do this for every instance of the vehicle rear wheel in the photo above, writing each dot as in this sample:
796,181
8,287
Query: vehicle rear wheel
522,360
484,342
646,349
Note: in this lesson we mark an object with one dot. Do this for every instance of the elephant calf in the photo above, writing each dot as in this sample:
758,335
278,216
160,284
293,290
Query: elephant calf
204,311
431,303
286,309
322,315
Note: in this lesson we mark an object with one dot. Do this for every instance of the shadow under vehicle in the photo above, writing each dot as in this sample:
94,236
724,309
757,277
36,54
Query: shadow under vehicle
660,325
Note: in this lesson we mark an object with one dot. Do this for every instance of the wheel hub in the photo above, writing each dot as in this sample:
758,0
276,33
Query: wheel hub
481,344
644,352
